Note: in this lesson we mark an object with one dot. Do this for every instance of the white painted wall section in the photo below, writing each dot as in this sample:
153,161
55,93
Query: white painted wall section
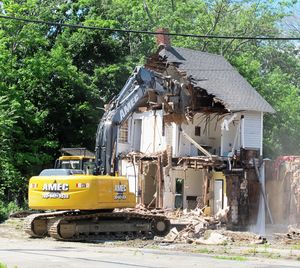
253,130
152,139
131,172
230,134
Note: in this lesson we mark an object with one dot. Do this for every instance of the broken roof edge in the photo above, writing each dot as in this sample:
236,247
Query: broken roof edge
268,108
261,106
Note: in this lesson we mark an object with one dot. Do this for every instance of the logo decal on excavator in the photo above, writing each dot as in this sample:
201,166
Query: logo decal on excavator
55,195
120,189
56,187
128,106
54,190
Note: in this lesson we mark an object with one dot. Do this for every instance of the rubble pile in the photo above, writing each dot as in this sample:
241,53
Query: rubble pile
293,232
189,226
241,237
140,208
193,226
206,230
291,237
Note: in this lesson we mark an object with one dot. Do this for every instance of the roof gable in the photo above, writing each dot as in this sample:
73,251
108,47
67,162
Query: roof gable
218,77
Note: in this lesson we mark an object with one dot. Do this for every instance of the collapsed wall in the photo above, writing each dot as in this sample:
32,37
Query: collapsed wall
283,189
211,185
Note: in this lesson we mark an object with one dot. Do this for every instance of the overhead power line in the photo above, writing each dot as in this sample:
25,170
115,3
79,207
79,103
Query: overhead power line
78,26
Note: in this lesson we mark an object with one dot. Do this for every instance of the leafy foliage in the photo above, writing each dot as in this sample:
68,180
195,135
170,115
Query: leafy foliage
7,209
54,80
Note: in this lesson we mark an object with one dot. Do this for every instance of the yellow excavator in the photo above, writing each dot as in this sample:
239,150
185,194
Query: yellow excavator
88,207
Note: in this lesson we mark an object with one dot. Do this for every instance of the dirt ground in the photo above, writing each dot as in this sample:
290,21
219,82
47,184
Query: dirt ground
273,249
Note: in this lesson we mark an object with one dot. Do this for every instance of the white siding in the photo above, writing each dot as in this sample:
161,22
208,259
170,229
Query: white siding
252,130
169,134
130,171
152,139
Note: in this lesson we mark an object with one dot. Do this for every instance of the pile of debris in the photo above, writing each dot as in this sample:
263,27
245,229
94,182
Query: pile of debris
291,237
189,225
140,208
193,226
206,230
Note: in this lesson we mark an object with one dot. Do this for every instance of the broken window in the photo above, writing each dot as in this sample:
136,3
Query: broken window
197,131
123,132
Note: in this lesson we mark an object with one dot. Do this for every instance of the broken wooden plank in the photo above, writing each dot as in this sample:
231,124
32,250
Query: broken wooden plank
197,145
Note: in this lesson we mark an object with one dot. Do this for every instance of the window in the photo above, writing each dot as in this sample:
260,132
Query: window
197,131
123,132
70,164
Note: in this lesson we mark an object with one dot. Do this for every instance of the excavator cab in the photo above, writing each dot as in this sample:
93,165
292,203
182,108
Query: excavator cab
76,158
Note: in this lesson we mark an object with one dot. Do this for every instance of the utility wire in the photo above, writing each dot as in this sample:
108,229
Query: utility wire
78,26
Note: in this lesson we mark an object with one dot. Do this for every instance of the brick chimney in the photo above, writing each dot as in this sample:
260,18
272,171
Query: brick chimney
162,39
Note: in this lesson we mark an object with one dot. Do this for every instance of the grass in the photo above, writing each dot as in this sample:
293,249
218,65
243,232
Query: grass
2,265
203,250
231,258
153,246
296,246
271,255
266,247
16,223
252,251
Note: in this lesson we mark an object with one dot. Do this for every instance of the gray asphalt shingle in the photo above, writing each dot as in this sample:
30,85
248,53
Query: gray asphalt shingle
219,78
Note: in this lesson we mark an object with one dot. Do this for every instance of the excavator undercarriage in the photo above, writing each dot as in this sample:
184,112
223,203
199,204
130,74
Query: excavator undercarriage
96,225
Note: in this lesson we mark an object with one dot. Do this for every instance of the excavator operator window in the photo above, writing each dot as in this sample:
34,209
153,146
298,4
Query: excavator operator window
70,164
88,167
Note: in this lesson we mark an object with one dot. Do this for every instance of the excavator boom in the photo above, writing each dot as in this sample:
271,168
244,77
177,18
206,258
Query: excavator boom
141,81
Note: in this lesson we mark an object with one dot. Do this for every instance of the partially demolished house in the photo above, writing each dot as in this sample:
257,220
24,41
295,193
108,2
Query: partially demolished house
201,145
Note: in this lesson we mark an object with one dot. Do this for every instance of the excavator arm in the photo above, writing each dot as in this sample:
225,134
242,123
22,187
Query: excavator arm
140,82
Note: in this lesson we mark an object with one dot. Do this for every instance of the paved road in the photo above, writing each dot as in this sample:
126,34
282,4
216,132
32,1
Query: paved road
47,253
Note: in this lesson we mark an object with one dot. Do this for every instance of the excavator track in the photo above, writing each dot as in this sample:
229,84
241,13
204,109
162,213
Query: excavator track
83,226
35,225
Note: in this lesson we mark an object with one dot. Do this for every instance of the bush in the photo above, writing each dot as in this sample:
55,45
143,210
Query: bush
6,209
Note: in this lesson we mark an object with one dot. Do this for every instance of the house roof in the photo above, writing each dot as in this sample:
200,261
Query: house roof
218,77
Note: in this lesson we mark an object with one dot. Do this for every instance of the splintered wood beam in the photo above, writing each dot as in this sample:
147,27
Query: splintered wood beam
198,146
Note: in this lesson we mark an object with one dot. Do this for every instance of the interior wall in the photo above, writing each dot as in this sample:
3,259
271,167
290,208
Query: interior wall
152,139
210,135
220,193
231,136
193,184
148,182
131,172
169,191
155,137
